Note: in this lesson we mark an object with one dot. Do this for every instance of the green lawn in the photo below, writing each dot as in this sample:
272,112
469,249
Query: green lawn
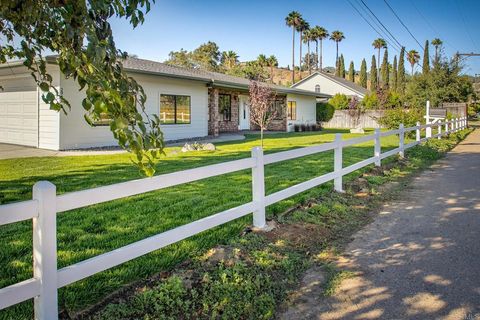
90,231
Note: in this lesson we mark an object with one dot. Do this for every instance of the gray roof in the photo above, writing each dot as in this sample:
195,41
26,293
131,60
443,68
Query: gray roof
349,84
214,78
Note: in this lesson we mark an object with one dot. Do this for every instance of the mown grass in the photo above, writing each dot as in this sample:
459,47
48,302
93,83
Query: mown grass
90,231
254,276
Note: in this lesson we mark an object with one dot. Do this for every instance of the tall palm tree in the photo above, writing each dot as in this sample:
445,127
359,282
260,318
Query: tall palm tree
413,57
320,34
262,60
437,43
293,20
307,38
337,36
379,44
272,62
302,27
229,59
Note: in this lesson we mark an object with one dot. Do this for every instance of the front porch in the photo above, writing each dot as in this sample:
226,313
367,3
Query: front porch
228,111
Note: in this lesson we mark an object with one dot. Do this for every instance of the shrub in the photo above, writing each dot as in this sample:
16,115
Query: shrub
339,101
394,117
325,112
370,101
296,128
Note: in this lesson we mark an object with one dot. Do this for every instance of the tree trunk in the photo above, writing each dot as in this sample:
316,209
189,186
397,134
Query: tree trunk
308,58
261,136
336,60
317,55
412,69
300,62
321,55
378,69
293,55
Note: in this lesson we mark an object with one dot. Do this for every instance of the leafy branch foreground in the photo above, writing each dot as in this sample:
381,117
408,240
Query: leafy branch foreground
254,273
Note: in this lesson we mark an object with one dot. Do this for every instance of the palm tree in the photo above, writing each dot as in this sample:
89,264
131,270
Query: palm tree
307,38
262,60
437,43
318,34
379,44
272,62
337,36
229,59
413,57
302,27
293,20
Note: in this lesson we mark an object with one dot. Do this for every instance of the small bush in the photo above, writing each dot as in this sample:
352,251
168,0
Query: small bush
296,128
339,101
325,112
303,127
370,101
394,117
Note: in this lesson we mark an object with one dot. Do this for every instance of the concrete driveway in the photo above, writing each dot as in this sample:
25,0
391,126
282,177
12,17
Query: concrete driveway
11,151
420,258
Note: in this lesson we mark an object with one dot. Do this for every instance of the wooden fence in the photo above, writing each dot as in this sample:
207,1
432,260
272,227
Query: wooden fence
346,120
45,205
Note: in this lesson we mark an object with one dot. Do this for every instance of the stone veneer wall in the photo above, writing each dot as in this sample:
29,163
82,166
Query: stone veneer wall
216,124
276,124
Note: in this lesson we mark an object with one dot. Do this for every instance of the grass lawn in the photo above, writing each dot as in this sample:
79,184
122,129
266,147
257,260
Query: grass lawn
87,232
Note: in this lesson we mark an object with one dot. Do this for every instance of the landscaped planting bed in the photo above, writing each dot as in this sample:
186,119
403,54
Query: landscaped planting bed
90,231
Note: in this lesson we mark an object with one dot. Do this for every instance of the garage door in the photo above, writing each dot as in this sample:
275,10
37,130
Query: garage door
19,118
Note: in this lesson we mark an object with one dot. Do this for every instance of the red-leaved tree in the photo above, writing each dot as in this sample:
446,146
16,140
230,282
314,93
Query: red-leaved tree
262,108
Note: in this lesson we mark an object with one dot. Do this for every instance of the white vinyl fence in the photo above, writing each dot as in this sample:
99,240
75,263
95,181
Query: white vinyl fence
45,205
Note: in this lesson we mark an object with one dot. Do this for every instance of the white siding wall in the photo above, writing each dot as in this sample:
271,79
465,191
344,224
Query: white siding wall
76,133
327,86
49,120
306,110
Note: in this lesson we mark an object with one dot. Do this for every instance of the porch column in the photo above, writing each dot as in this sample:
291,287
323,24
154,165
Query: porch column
214,114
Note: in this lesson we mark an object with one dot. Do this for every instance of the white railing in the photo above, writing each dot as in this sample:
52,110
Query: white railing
46,204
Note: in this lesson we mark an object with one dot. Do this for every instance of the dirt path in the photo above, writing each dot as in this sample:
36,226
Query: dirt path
419,259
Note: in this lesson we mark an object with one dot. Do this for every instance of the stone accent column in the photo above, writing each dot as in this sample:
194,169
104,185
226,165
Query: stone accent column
213,128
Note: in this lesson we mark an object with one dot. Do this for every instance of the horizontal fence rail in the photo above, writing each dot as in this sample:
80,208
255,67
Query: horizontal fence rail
45,205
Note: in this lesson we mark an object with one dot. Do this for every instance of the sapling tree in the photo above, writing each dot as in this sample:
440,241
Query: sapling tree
262,107
80,36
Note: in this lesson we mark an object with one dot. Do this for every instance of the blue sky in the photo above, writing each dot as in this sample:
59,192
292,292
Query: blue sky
254,27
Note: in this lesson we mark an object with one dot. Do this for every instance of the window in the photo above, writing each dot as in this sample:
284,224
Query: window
225,106
292,110
174,109
317,88
102,120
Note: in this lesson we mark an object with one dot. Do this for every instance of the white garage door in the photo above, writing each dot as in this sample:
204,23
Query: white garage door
19,118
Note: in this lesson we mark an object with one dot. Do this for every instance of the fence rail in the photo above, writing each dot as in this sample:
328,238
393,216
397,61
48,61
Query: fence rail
46,204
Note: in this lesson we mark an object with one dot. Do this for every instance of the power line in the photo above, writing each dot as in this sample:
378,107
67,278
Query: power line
384,35
465,25
368,22
435,31
403,24
386,29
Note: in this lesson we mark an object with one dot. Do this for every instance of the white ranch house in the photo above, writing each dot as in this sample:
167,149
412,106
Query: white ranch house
192,103
330,84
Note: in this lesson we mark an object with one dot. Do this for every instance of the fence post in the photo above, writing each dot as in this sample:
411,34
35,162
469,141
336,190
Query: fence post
258,188
45,250
377,148
401,144
446,127
440,130
338,162
417,131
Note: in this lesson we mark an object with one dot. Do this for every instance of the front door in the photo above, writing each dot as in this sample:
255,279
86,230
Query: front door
244,114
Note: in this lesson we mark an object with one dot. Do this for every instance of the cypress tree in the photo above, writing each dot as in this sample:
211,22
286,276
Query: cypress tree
363,74
394,85
401,71
384,70
426,59
373,75
342,67
351,72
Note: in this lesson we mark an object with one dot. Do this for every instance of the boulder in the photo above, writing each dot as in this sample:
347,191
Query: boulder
357,130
